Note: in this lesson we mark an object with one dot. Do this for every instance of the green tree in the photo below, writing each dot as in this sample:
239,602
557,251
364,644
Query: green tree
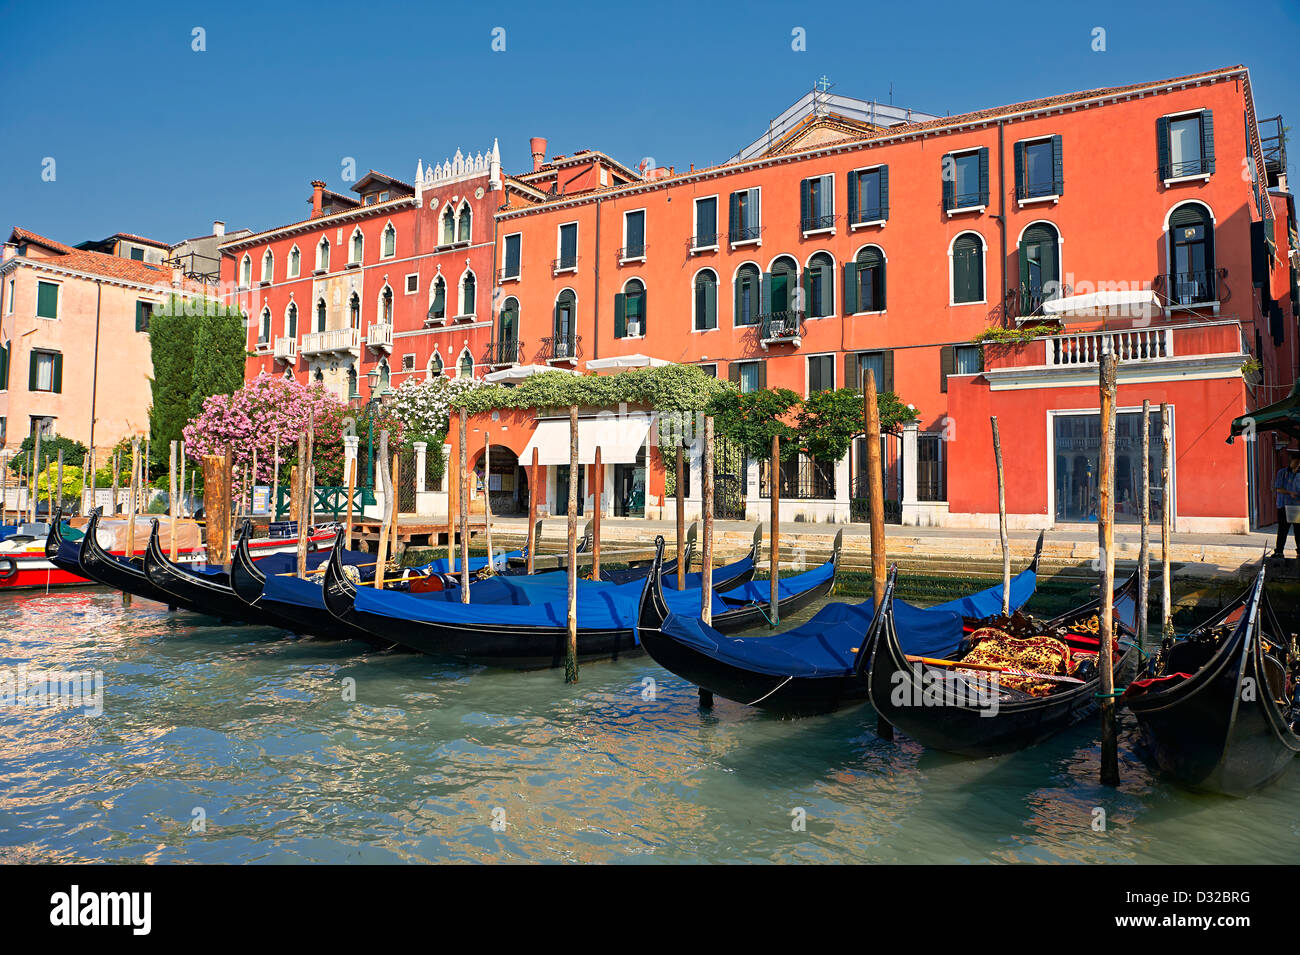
73,452
752,419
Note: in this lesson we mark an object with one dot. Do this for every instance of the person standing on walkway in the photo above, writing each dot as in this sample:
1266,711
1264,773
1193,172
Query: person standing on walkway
1287,485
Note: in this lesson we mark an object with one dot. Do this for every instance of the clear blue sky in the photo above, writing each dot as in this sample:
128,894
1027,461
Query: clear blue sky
151,137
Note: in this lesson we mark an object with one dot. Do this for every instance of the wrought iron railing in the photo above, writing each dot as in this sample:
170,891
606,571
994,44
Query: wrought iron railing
802,479
931,468
746,233
873,214
1198,166
508,273
704,240
967,200
1192,288
561,347
504,352
780,326
635,251
815,223
1036,190
564,262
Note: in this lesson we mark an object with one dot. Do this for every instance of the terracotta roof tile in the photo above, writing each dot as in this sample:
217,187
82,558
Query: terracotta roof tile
99,263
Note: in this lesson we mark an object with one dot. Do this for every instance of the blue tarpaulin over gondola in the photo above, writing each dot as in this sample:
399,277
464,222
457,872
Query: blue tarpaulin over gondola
988,602
600,607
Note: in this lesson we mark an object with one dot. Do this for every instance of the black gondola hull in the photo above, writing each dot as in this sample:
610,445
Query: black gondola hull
129,577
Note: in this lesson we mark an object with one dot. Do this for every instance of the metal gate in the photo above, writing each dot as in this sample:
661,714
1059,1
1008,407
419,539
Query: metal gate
891,454
729,480
406,481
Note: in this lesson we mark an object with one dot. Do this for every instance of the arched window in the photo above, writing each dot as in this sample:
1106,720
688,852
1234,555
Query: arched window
967,263
819,286
320,375
463,221
291,321
357,248
320,314
264,327
354,311
438,301
385,375
468,293
508,321
629,310
386,305
295,263
245,271
1040,267
352,383
268,266
749,283
782,294
1191,255
389,245
323,255
566,317
435,366
864,283
448,226
466,369
705,300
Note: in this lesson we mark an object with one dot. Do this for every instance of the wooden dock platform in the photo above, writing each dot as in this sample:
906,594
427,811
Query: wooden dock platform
412,532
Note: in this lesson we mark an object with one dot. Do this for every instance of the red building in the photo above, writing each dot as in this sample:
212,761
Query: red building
1152,219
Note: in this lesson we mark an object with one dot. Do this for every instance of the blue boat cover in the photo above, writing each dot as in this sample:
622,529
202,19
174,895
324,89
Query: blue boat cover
687,602
291,589
600,607
444,566
988,602
288,563
695,581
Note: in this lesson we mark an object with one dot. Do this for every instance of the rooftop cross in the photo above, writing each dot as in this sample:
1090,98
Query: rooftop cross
824,83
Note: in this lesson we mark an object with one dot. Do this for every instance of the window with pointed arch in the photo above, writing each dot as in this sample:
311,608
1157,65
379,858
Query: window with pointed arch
705,300
388,245
357,248
438,303
435,366
385,376
245,271
448,226
354,311
466,369
386,306
323,256
468,294
264,327
320,315
320,375
463,222
295,263
352,384
268,266
291,321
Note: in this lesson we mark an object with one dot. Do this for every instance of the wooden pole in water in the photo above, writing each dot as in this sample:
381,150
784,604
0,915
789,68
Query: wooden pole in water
453,511
1002,519
180,463
1106,543
1166,520
275,478
395,480
4,485
681,518
533,491
464,506
599,474
876,486
34,479
1144,514
706,555
352,490
173,503
571,615
774,488
117,470
300,489
59,483
487,496
213,505
381,549
132,499
93,490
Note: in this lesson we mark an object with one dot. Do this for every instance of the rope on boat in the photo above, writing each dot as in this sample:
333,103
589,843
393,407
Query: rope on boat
771,691
1115,694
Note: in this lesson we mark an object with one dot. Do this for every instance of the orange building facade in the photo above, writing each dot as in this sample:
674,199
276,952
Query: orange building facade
1151,219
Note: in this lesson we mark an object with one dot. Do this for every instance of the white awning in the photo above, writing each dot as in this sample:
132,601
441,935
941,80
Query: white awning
619,438
1096,301
520,372
625,361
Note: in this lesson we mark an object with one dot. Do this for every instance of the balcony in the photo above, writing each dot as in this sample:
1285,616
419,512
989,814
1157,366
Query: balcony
508,274
379,336
465,317
631,253
1188,289
286,349
780,328
434,316
567,262
504,353
704,242
561,348
743,234
817,223
873,216
335,341
1134,344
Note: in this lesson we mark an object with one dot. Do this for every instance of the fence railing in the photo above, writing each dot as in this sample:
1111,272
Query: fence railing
802,479
333,340
505,352
380,335
1192,288
780,327
327,500
561,347
1086,348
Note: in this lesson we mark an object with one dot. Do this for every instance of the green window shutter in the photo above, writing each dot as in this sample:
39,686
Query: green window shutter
828,290
737,311
984,176
1058,167
1207,141
889,371
947,365
805,202
762,374
620,315
644,311
58,373
850,287
710,304
47,300
4,368
880,286
31,371
808,276
827,197
1162,147
948,181
884,192
851,372
1019,152
735,223
733,373
141,321
853,197
765,296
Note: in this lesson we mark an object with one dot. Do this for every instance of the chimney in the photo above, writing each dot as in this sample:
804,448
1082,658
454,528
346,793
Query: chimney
537,145
317,188
218,227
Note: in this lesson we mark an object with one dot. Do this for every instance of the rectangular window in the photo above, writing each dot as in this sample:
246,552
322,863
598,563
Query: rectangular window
817,203
710,370
1185,146
143,312
9,299
868,195
1039,177
745,225
568,246
706,222
46,372
821,373
634,234
968,360
137,254
5,350
511,258
47,300
1076,448
413,283
749,377
966,181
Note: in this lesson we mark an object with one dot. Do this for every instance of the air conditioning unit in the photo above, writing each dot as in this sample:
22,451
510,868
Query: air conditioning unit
634,328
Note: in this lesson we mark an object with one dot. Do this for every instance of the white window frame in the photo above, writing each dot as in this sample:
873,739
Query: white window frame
758,306
9,301
464,207
504,241
807,377
885,259
740,377
268,270
757,241
834,279
1197,177
352,237
984,269
460,296
717,284
623,289
290,270
695,225
1054,198
645,218
406,283
58,300
824,230
245,272
324,243
963,210
577,238
879,223
388,226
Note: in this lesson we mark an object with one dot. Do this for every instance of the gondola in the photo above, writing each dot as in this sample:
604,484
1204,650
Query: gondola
520,635
971,716
63,553
205,589
811,668
119,572
1214,708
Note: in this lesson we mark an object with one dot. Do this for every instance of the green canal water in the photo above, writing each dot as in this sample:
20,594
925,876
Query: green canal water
222,743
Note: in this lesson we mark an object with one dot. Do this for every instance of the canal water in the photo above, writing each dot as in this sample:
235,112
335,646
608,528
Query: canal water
222,743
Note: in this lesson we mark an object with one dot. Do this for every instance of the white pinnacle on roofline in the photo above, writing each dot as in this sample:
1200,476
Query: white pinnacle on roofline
459,167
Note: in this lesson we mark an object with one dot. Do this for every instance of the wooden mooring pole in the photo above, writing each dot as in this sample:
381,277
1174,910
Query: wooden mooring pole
216,504
876,484
487,498
533,492
381,546
300,492
681,517
706,555
571,615
597,493
275,479
131,505
464,507
173,505
352,492
1144,515
1002,518
1106,544
1166,520
57,495
396,481
774,487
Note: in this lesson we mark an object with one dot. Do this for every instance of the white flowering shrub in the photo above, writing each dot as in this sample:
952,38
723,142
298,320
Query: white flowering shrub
423,406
